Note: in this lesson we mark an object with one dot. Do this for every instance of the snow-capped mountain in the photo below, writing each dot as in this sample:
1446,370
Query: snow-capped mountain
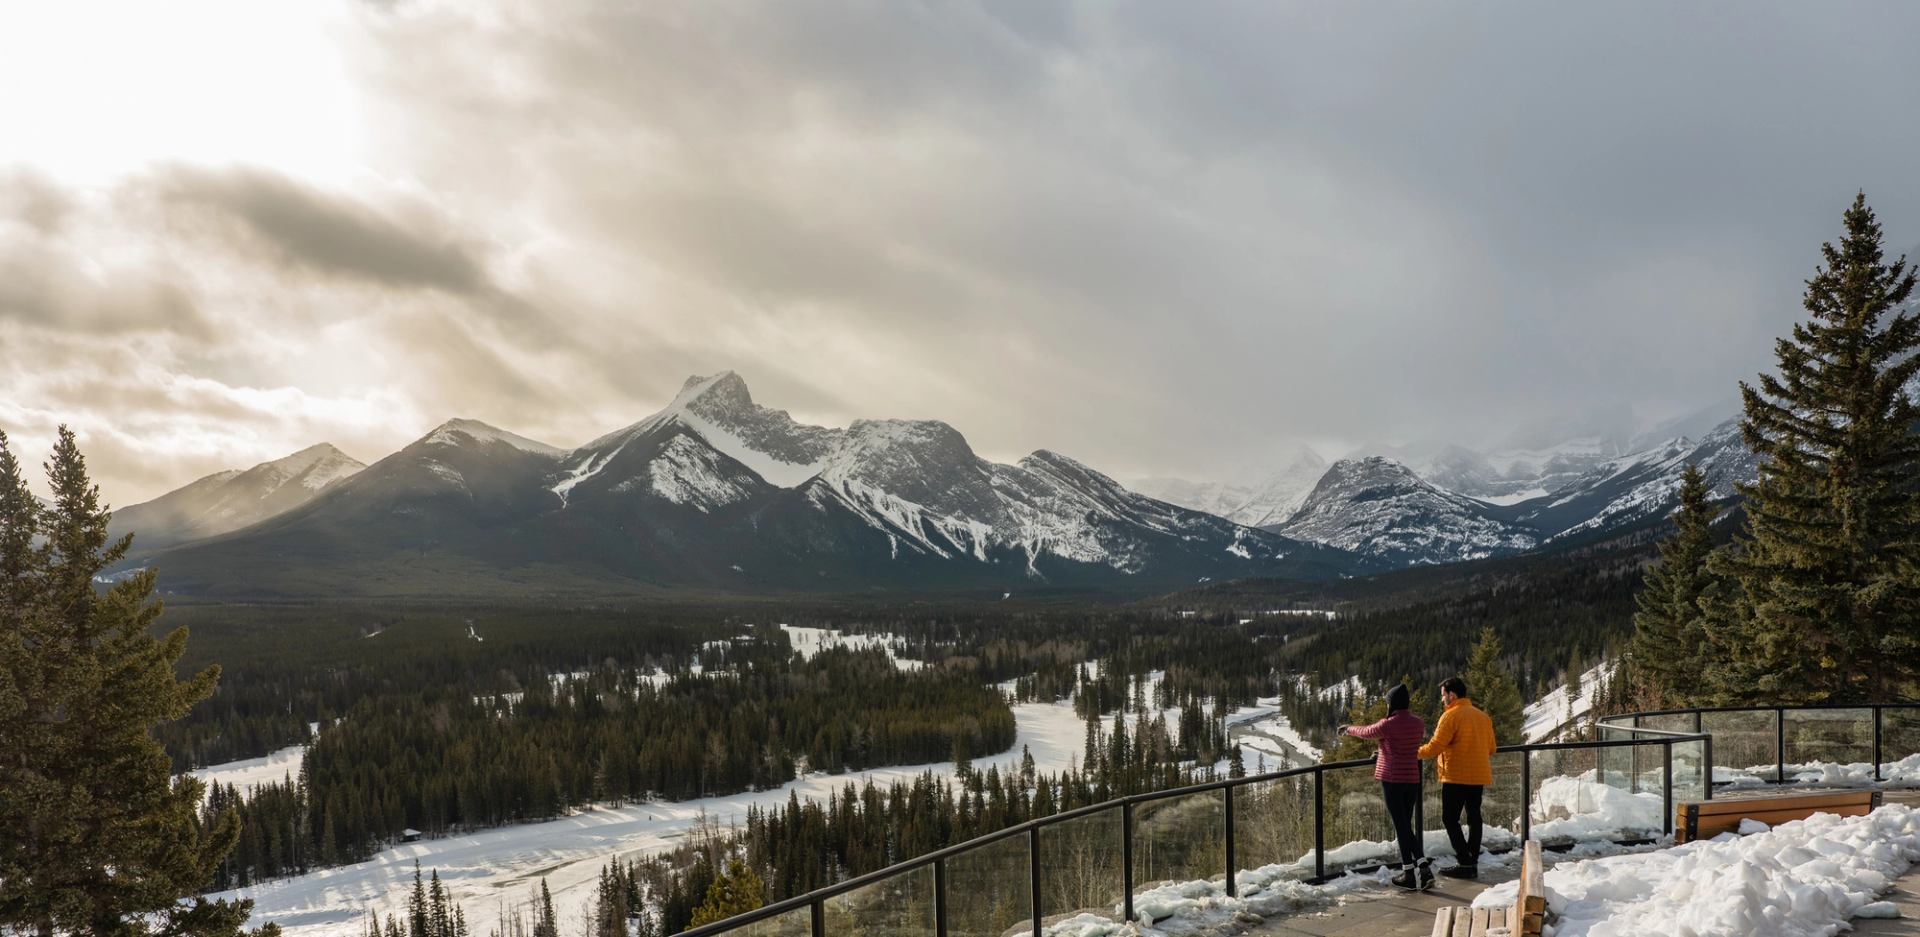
1643,485
716,491
230,500
1378,507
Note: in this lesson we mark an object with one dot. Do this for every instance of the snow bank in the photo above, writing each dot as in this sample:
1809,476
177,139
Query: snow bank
1577,807
1904,773
1800,879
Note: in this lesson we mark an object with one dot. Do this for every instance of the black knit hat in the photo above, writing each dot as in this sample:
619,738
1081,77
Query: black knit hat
1398,698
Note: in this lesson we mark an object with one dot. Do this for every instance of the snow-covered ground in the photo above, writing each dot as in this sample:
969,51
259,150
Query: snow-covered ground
253,772
1904,773
487,868
1264,734
1799,879
1546,716
811,641
1203,909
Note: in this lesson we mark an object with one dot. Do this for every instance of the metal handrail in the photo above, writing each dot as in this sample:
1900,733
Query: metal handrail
816,899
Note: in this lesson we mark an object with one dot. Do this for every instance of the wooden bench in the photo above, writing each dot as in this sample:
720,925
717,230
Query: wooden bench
1705,819
1524,918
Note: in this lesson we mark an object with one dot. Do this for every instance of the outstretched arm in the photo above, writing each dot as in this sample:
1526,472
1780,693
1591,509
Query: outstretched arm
1367,732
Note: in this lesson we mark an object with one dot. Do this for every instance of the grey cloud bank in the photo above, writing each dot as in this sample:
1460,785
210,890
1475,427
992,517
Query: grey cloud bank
1160,238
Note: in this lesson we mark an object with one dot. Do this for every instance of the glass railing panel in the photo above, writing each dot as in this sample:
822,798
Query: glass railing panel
895,906
1273,831
1900,744
1179,839
1745,745
1080,870
1593,794
1830,746
1358,831
1689,771
795,923
989,890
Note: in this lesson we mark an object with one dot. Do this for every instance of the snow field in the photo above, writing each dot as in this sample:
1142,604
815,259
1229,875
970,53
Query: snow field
491,870
1800,879
254,772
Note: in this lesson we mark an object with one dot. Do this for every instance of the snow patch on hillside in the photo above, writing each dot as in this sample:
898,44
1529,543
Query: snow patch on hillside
1546,716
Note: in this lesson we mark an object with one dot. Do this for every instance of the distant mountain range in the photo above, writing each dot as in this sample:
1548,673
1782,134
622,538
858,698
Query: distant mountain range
714,492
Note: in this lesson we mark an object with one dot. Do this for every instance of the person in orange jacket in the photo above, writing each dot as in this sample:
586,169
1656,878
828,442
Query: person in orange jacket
1462,748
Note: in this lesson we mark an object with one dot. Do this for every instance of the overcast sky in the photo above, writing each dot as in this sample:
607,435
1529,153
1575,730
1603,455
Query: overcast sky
1164,238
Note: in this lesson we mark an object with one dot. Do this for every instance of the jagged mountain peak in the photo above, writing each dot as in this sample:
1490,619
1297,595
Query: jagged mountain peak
1377,506
460,431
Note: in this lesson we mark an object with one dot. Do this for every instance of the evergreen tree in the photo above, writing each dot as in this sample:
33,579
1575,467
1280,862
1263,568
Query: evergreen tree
98,835
546,925
1827,604
734,890
1669,629
1493,688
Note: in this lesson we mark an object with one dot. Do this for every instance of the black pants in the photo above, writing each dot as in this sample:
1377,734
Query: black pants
1401,799
1453,799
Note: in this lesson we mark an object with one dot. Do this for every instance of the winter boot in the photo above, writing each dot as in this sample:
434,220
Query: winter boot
1406,879
1425,869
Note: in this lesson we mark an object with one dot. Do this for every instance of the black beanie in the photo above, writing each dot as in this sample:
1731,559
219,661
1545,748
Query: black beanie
1398,698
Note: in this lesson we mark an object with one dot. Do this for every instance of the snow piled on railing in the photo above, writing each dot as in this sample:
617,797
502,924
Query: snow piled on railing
1804,878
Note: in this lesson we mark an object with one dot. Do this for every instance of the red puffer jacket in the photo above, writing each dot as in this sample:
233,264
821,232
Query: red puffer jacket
1399,736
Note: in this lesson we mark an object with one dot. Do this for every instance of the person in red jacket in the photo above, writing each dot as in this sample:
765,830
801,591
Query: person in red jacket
1397,768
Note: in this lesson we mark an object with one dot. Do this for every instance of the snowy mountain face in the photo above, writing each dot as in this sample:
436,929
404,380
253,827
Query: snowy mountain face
229,500
1633,488
718,491
1380,508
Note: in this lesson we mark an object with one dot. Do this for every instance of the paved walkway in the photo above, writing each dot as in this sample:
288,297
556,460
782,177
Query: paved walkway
1397,913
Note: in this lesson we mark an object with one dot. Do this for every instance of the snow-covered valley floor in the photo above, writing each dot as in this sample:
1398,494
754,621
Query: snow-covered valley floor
493,869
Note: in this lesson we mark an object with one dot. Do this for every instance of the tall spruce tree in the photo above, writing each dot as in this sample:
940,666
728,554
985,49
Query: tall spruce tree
1493,688
1827,604
1669,646
98,836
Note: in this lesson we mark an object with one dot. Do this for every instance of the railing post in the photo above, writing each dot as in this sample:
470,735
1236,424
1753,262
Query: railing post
1706,770
1420,809
1227,792
1780,744
939,898
820,919
1126,860
1033,874
1319,824
1526,796
1876,744
1666,817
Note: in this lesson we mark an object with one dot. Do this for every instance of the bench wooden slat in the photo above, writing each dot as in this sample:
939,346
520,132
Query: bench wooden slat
1791,802
1463,922
1443,922
1708,818
1479,923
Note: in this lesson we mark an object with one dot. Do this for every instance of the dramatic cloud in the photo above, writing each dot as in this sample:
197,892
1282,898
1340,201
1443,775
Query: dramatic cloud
1166,239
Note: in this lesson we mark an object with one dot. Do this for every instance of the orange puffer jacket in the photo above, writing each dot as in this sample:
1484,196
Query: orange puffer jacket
1463,744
